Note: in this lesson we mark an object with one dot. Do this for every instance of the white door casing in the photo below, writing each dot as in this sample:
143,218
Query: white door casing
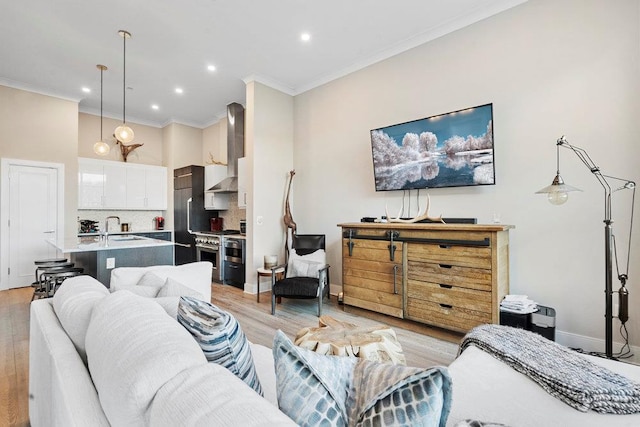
32,202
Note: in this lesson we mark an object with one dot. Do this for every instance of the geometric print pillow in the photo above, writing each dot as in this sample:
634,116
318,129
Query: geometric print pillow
315,389
219,335
387,395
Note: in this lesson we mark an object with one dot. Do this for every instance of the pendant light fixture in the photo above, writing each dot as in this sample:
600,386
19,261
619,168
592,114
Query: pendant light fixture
101,148
124,133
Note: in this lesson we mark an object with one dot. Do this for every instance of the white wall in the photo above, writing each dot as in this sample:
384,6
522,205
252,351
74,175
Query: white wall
549,68
89,133
269,152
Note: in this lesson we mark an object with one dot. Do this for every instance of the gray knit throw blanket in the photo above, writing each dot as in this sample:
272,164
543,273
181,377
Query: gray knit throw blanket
562,372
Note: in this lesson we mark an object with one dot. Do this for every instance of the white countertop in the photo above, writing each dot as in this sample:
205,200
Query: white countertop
93,243
126,232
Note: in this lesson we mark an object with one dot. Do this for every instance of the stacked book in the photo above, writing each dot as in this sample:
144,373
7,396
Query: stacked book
519,304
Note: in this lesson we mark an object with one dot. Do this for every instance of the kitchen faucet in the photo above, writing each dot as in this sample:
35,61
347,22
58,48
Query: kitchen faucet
106,225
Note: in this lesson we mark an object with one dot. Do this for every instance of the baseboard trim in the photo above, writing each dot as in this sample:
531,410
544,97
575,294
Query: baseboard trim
594,344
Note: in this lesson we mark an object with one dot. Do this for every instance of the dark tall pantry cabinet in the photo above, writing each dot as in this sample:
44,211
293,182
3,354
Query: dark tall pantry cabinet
189,212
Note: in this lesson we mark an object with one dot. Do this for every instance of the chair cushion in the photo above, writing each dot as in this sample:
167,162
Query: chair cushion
315,389
221,338
299,287
303,265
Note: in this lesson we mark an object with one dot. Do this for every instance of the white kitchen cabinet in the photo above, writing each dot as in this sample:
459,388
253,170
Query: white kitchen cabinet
146,187
213,174
90,184
242,182
104,184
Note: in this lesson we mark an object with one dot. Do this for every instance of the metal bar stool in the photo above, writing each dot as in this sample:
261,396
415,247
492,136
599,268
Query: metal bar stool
53,277
56,278
42,264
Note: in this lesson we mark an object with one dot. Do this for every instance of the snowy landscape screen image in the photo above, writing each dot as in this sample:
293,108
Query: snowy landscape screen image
448,150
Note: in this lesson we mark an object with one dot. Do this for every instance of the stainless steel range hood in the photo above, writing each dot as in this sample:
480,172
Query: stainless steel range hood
235,149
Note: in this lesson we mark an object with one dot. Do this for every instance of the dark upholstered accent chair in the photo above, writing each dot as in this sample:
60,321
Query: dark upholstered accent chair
306,272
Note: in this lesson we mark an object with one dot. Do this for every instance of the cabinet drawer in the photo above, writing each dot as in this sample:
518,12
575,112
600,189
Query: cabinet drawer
463,256
372,250
445,316
446,274
450,295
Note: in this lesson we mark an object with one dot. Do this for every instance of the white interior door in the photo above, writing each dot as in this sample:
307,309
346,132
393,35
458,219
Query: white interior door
32,219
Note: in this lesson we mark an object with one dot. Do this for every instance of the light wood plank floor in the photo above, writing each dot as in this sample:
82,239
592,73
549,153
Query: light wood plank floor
257,322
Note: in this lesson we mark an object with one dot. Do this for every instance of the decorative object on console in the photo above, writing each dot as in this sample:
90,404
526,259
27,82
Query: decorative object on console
448,150
101,148
420,217
123,133
557,195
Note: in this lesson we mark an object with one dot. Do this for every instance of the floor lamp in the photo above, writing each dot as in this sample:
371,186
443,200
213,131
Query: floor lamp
557,195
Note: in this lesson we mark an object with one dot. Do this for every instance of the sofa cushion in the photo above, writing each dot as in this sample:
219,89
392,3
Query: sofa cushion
73,303
195,275
221,338
210,395
151,279
173,288
315,389
133,348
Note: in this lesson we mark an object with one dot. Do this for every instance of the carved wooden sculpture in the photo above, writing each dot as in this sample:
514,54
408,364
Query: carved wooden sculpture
288,219
126,149
336,338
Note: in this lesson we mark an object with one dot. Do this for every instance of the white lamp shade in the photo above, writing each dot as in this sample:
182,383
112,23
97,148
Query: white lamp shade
101,148
124,133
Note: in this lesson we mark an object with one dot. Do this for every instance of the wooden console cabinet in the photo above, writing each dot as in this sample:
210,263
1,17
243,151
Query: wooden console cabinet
452,276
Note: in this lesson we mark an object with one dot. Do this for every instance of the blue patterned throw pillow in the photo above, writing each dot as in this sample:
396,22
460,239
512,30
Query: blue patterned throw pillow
319,390
219,335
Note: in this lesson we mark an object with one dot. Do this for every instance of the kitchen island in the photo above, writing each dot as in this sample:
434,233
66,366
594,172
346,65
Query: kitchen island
98,255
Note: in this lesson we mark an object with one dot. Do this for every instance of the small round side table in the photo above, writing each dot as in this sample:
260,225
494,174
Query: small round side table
263,272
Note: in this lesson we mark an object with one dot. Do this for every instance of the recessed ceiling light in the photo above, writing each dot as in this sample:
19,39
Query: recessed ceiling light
179,90
211,67
86,90
155,107
305,37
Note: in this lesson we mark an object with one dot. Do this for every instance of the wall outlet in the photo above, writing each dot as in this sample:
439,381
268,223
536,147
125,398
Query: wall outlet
111,263
259,220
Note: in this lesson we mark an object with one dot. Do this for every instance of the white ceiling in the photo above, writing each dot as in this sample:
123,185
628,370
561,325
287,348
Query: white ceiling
53,47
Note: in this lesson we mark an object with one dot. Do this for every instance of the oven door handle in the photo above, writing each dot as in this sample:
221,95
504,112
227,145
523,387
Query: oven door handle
189,215
184,245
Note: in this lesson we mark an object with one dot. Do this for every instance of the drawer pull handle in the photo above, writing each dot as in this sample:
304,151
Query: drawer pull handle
445,246
446,306
442,285
445,265
395,276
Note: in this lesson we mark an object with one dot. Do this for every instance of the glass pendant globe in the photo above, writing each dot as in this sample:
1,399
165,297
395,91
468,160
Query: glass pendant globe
124,133
101,148
558,197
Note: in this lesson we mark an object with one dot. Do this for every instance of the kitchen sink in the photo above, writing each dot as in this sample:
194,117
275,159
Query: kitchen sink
125,238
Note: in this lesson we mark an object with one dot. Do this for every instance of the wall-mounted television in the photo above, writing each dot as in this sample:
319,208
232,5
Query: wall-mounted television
448,150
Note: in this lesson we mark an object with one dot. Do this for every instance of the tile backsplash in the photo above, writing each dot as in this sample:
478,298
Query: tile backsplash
137,220
233,215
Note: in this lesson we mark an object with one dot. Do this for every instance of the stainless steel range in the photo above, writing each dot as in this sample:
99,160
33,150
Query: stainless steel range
210,247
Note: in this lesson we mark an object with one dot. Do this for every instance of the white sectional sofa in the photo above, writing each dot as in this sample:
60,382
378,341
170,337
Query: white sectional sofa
124,361
139,366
